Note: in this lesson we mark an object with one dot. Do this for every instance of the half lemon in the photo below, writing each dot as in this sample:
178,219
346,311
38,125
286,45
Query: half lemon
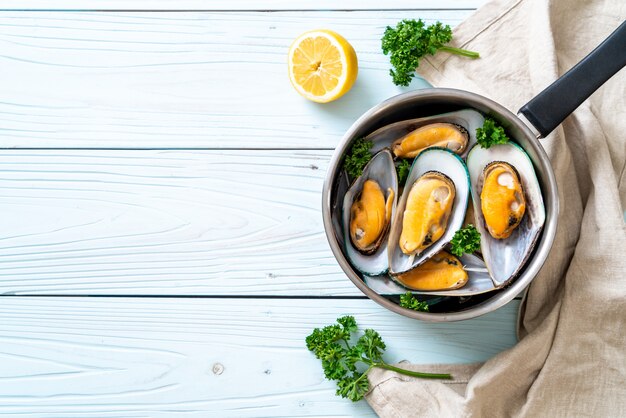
322,65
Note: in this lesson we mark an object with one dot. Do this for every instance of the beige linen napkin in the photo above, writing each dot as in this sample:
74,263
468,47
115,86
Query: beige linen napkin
571,360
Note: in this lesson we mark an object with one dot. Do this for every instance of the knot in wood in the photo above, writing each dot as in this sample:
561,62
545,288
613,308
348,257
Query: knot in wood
218,368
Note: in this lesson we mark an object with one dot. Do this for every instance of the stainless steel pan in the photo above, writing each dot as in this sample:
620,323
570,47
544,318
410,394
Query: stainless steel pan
535,120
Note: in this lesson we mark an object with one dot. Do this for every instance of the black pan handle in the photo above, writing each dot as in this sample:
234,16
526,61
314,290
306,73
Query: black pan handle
550,107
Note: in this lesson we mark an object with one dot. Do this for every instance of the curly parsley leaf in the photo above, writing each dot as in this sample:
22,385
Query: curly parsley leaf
491,134
411,302
465,241
372,345
403,171
358,157
341,359
348,323
353,387
410,40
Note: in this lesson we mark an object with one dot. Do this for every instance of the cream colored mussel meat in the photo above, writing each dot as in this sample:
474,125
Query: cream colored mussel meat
478,279
443,271
455,131
445,135
428,208
502,199
369,216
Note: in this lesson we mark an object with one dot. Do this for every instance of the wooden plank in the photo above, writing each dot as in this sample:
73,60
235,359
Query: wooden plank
114,357
248,5
165,222
157,222
180,80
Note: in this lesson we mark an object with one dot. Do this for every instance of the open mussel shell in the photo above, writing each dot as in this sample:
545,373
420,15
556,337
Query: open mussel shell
382,170
436,160
467,118
479,281
343,184
506,257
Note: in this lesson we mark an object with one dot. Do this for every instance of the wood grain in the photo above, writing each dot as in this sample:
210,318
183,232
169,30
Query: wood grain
165,222
180,80
219,221
238,4
114,357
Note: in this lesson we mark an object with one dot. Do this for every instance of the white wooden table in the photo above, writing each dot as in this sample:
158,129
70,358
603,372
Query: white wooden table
161,242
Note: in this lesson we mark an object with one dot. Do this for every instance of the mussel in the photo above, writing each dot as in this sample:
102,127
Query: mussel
427,210
369,216
409,137
445,135
502,199
430,210
508,206
442,271
368,208
478,281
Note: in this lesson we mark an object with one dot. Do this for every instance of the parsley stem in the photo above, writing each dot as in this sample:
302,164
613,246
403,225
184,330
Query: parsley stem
459,51
364,375
412,373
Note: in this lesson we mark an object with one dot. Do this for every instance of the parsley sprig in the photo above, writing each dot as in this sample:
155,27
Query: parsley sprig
358,157
410,40
491,134
411,302
403,171
465,240
340,359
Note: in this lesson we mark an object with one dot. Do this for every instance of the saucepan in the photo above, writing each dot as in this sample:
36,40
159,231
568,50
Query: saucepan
535,120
